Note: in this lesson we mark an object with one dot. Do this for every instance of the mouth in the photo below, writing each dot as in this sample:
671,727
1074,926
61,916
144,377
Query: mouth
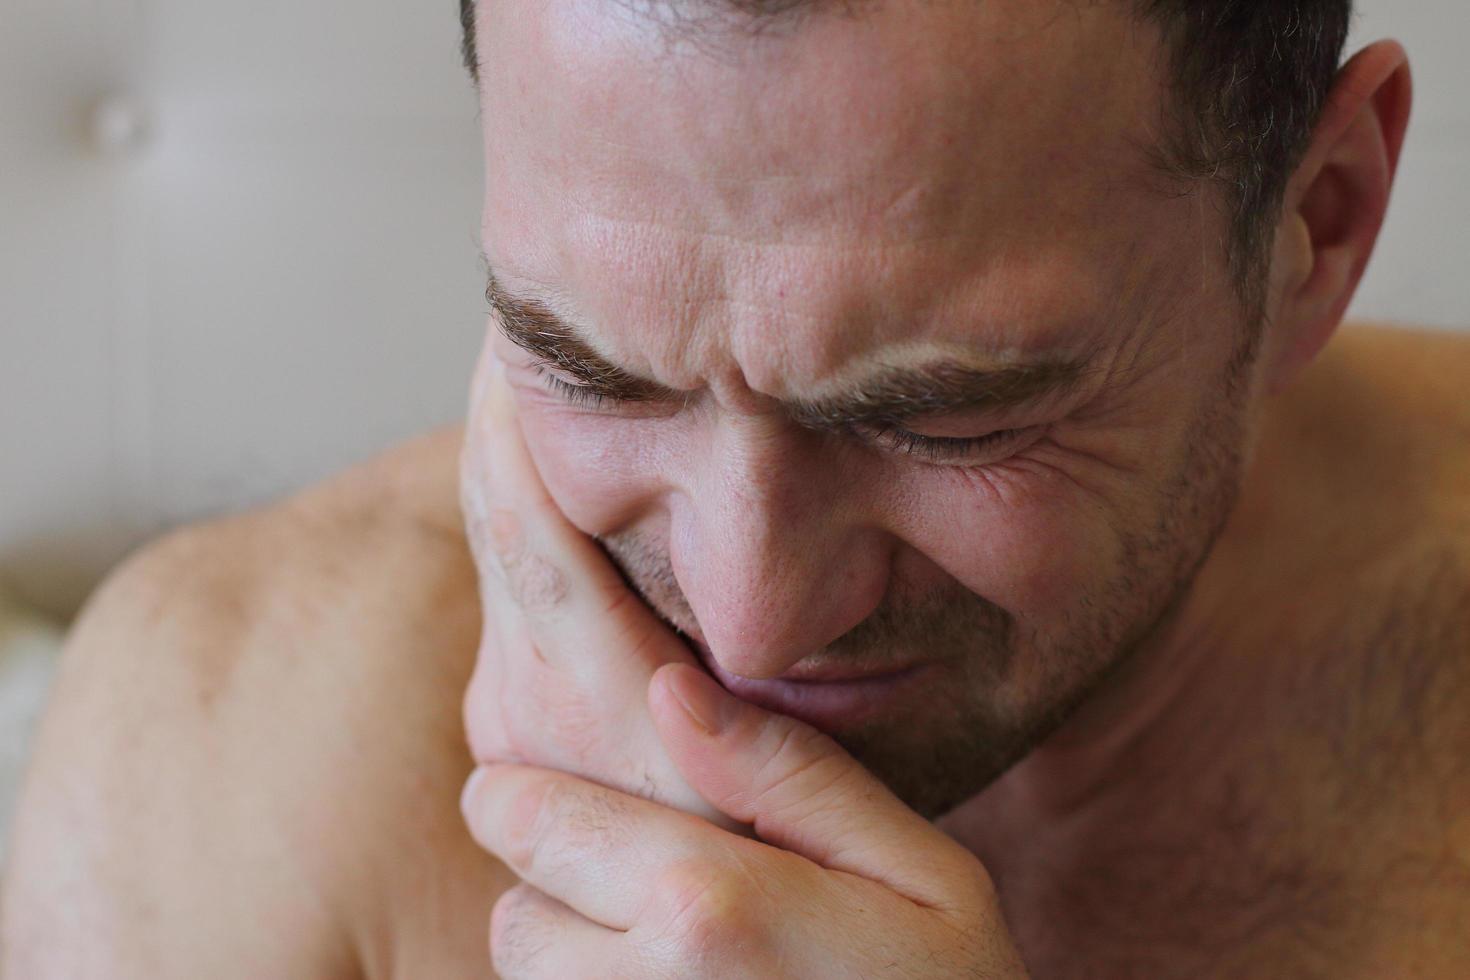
829,699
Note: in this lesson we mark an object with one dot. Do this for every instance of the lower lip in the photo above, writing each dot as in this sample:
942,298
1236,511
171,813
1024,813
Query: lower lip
826,705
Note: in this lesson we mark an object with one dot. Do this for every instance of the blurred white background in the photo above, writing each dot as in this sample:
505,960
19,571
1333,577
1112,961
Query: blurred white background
238,251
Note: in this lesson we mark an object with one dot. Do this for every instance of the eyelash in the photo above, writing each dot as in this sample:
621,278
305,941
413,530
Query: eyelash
940,449
580,395
936,449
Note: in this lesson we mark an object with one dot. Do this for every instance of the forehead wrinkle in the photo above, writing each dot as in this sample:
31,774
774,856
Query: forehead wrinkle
905,212
762,325
696,140
1126,318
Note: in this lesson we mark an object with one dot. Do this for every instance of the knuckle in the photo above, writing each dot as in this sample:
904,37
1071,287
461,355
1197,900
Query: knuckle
570,721
536,585
483,718
712,915
595,824
516,734
550,719
487,742
526,820
681,883
556,824
517,934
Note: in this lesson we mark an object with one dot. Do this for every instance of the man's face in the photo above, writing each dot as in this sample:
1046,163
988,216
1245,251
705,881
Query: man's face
925,365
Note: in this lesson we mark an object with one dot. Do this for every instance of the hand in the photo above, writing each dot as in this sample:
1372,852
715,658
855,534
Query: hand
844,881
567,649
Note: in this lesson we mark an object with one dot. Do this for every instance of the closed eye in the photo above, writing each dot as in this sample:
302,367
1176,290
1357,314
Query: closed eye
580,395
974,450
968,450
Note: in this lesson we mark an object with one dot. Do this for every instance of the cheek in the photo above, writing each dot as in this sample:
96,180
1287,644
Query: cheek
600,472
1021,534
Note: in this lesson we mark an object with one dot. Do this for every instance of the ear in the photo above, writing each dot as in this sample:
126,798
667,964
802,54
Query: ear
1334,207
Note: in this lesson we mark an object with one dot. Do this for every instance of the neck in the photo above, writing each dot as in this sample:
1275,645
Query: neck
1081,765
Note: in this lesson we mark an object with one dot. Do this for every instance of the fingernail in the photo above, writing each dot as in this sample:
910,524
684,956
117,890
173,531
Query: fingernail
708,704
471,789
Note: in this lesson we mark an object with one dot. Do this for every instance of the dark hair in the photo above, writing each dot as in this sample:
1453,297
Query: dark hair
1250,78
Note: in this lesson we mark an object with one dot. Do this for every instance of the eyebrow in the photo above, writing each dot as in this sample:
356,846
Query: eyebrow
890,396
534,327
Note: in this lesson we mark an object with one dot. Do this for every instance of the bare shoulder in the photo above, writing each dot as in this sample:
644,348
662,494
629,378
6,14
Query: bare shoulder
1378,482
1405,384
1432,355
257,731
1379,428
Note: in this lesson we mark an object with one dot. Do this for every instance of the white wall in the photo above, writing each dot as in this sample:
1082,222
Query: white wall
282,275
281,278
1421,268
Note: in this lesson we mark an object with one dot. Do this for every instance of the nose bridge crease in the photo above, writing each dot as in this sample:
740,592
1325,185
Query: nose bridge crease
765,497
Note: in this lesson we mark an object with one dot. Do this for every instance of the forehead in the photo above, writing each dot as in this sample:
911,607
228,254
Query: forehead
924,173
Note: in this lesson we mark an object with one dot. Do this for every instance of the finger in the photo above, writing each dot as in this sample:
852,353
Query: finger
602,852
559,600
535,937
477,476
570,592
573,638
801,791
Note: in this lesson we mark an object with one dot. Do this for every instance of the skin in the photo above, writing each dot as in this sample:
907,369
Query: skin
1271,785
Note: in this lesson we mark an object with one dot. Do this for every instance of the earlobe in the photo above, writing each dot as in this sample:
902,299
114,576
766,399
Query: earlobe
1336,204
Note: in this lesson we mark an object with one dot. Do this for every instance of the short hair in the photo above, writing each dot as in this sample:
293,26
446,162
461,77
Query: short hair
1250,78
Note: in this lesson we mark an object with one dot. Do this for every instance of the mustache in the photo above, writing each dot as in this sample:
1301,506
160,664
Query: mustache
931,625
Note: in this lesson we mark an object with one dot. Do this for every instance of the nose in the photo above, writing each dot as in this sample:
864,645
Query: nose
771,549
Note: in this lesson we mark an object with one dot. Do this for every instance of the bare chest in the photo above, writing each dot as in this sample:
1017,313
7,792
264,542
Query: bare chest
1148,904
1306,816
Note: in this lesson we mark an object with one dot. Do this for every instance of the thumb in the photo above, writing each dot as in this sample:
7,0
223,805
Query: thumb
801,791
